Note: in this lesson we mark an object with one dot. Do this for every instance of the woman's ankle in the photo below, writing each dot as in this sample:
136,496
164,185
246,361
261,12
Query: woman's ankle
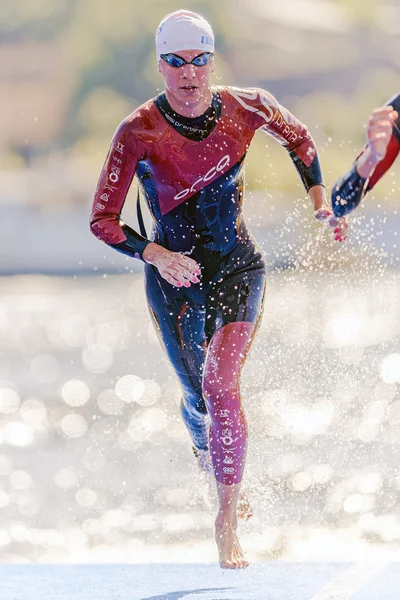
226,520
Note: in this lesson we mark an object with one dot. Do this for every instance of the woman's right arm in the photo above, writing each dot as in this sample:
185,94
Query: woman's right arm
112,188
105,221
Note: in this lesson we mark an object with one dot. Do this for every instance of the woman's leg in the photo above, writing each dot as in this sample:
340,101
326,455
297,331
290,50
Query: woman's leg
240,298
228,433
179,322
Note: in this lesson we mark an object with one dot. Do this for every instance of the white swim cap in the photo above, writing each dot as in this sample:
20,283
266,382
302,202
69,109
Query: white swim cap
184,30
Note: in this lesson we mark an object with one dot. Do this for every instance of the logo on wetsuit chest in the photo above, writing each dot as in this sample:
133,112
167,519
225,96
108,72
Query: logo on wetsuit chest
224,162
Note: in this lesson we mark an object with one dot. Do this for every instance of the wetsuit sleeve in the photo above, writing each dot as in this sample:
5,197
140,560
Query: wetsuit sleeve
115,179
281,124
393,148
349,189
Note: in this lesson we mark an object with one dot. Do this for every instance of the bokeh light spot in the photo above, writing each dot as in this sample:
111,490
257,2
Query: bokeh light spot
17,433
342,330
110,403
97,358
75,392
4,499
67,477
9,401
130,388
86,497
151,394
74,425
33,411
73,330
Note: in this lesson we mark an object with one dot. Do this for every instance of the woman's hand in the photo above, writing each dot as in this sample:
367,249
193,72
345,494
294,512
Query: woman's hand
340,225
176,268
324,214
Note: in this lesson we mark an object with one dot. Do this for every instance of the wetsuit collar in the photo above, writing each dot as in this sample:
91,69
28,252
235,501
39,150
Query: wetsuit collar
196,129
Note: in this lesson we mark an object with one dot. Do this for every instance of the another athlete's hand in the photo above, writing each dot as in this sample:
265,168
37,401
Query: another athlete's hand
379,131
176,268
340,225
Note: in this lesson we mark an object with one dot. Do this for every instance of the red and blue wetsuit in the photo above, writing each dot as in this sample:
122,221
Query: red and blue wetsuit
349,190
191,173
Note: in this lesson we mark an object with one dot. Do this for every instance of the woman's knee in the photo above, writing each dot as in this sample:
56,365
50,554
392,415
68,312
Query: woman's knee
193,405
226,354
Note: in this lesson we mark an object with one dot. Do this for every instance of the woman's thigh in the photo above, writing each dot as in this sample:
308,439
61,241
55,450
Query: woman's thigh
179,321
238,298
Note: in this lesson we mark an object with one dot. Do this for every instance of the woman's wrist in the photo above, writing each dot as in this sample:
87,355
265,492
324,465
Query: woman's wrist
150,252
317,196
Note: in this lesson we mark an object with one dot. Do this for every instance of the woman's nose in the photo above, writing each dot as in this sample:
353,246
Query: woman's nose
188,71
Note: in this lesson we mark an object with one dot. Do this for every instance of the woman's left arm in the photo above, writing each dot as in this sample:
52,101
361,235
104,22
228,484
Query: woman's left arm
297,140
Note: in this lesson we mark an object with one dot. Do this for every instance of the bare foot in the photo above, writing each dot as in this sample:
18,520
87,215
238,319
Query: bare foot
244,508
230,553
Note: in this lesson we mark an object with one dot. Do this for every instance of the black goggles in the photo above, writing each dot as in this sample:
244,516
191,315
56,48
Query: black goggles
176,61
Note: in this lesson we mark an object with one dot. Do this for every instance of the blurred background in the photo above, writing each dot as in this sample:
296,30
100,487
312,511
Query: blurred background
94,461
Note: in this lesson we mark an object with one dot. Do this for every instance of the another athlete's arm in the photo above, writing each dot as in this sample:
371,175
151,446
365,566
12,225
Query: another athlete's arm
383,134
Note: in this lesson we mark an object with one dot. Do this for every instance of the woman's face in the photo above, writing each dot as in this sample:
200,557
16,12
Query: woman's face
187,84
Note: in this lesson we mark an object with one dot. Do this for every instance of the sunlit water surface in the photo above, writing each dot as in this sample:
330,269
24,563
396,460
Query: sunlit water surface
95,463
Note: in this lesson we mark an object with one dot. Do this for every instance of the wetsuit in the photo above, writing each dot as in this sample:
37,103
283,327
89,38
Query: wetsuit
349,190
191,173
